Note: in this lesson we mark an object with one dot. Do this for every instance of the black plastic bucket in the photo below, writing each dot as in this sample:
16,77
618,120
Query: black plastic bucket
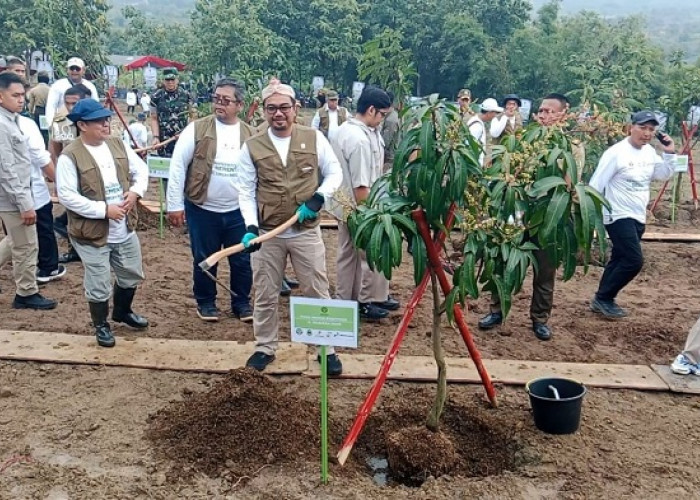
554,415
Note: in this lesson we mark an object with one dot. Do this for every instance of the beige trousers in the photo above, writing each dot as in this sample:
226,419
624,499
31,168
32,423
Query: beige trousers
308,256
356,281
692,344
25,250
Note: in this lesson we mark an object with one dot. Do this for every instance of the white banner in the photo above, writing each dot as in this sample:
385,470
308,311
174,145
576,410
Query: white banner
357,88
111,74
150,76
317,83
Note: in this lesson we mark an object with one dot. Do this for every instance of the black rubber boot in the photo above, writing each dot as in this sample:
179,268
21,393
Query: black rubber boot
99,312
123,297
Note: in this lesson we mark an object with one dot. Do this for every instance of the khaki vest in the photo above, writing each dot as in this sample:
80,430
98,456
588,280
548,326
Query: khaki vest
511,129
325,120
282,189
199,170
90,184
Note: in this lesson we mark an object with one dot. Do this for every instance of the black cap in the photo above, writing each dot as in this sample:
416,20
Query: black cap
644,116
511,97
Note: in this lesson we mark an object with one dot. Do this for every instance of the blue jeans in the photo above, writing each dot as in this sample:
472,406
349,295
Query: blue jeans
209,233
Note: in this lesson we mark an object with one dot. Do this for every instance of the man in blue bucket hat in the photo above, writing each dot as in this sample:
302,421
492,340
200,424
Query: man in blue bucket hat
99,181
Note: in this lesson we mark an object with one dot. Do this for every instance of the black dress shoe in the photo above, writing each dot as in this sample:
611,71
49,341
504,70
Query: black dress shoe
35,301
390,304
490,320
259,361
285,289
542,331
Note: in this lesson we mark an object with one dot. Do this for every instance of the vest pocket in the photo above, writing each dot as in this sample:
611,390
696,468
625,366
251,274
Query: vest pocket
88,229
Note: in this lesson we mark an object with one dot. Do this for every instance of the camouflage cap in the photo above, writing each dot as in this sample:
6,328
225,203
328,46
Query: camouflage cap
170,73
464,93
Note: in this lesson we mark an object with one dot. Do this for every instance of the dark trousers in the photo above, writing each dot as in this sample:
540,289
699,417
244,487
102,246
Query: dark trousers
48,248
542,289
209,233
38,111
626,260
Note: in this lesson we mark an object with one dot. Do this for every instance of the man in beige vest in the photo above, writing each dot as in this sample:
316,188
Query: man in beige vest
360,149
201,188
286,170
331,116
99,181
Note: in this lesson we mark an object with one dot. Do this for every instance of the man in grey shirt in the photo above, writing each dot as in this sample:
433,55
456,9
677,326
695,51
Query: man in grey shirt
16,202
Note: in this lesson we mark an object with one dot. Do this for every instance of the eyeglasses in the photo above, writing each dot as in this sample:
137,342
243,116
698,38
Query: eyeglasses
100,121
284,108
75,68
223,100
383,113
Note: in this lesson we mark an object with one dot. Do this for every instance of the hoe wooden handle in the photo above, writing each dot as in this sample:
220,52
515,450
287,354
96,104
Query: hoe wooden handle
214,258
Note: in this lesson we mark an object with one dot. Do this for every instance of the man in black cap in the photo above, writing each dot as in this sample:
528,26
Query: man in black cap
623,176
509,121
99,180
170,111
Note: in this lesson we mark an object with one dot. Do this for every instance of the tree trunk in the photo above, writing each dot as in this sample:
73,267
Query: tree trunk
433,421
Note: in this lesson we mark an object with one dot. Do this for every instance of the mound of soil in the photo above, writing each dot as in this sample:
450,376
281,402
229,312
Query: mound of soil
242,423
475,440
416,453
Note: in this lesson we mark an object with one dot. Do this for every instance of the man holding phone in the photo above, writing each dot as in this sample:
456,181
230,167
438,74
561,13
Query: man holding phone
623,176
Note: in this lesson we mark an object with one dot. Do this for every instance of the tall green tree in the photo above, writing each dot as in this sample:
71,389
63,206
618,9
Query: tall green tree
388,64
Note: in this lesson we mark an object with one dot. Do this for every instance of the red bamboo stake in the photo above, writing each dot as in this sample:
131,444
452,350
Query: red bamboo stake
390,356
434,258
686,149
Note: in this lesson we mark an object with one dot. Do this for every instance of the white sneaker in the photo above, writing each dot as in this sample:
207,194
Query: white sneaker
682,366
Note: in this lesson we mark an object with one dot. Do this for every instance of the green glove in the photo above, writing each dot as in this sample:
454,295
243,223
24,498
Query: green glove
252,233
310,208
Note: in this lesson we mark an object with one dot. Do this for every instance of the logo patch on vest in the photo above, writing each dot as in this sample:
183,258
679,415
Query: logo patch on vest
303,145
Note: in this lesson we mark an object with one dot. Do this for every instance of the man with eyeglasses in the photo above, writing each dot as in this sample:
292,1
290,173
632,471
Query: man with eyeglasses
76,74
99,180
360,149
552,112
286,170
330,116
202,190
170,110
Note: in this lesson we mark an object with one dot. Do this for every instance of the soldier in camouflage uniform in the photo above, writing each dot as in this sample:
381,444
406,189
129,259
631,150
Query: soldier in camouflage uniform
170,111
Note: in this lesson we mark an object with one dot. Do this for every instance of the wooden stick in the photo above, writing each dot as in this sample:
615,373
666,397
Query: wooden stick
157,146
214,258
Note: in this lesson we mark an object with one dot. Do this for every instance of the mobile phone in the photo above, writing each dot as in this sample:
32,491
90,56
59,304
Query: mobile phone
662,138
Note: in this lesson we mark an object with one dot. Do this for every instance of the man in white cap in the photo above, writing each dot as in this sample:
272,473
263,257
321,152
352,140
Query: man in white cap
286,170
477,124
76,73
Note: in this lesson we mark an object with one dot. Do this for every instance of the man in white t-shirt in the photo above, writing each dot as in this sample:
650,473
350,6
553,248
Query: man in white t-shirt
477,124
624,175
131,101
360,150
201,189
146,103
138,131
287,170
99,181
76,72
331,116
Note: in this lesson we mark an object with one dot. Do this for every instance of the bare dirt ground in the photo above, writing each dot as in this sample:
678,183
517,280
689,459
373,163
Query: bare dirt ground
90,432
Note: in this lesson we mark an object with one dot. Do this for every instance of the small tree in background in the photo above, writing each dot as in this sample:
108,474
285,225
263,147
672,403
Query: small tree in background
388,64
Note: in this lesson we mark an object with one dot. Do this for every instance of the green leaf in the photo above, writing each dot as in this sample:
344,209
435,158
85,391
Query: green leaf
545,185
427,143
558,206
420,259
597,197
569,250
